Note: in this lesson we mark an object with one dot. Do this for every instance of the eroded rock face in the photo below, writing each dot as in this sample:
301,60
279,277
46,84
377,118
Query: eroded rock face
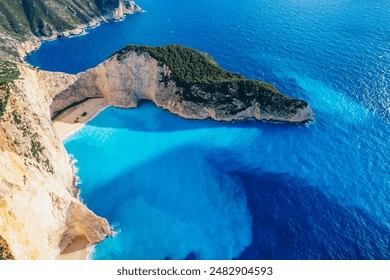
125,79
40,213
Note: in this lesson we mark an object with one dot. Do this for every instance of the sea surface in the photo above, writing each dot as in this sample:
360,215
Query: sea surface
181,189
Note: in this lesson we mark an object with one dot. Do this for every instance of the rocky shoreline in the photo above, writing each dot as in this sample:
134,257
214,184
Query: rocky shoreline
33,43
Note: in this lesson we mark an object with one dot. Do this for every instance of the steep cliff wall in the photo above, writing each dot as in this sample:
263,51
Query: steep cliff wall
40,214
134,74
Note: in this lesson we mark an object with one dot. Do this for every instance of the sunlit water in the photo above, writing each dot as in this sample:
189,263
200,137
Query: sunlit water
175,188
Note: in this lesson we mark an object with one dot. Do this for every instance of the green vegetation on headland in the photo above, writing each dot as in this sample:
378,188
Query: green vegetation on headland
190,66
199,75
8,73
5,253
186,64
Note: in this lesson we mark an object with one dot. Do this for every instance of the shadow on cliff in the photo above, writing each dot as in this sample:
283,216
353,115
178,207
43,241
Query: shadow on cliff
147,117
291,218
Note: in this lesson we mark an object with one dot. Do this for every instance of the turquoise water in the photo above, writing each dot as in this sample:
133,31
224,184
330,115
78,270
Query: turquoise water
175,188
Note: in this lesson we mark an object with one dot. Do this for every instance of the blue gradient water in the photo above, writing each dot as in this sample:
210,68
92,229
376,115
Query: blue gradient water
179,189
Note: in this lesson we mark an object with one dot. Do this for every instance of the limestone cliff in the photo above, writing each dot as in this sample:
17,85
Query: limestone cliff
135,74
40,213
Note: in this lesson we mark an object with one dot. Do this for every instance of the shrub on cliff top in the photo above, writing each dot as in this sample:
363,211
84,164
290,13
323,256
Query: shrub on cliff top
5,253
191,67
186,64
8,73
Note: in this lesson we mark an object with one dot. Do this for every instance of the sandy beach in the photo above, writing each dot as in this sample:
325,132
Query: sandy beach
78,250
67,123
74,118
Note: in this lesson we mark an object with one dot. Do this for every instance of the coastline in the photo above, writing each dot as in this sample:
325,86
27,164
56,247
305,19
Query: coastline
65,125
33,43
73,119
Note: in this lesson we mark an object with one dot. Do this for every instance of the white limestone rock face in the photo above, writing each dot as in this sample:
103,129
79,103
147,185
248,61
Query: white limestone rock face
125,7
40,213
122,83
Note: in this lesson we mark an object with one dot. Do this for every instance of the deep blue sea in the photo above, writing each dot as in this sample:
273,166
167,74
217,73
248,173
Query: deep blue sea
181,189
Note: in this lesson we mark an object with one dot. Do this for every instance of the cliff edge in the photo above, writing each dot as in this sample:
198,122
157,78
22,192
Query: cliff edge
40,213
184,81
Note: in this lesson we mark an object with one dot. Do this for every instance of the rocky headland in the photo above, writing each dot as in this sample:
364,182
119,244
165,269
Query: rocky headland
183,81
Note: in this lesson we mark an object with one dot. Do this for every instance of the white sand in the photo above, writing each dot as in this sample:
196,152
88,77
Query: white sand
72,119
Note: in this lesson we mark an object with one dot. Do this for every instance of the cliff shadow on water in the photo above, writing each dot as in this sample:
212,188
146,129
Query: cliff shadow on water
183,204
223,212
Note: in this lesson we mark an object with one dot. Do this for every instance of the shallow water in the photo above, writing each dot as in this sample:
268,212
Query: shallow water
178,189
